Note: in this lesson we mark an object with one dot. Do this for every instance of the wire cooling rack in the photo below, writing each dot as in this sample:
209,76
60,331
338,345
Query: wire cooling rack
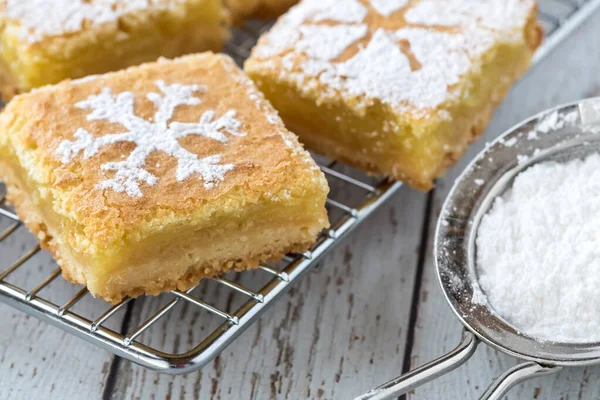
253,291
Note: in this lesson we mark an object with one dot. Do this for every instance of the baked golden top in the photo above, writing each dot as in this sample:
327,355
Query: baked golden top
408,54
167,142
37,20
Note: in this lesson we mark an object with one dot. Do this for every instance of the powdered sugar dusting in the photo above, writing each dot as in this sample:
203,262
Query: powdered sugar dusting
571,118
383,71
522,159
328,42
478,297
492,14
537,251
346,11
552,122
158,134
42,18
388,7
285,34
85,79
276,44
532,135
382,58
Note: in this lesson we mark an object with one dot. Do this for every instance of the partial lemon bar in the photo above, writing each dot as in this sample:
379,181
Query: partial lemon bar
152,178
395,87
43,42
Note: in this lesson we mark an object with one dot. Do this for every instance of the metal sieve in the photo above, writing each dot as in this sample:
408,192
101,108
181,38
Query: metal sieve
560,134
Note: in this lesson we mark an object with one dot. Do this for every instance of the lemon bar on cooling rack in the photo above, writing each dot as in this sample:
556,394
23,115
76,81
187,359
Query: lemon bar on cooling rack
395,87
151,178
44,42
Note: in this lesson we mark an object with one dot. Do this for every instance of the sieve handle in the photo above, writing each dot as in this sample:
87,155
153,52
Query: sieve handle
405,383
516,374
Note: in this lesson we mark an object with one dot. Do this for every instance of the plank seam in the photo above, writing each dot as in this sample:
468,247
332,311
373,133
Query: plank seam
416,294
111,380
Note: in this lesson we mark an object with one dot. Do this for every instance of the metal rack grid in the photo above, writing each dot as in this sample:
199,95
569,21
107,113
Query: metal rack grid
558,17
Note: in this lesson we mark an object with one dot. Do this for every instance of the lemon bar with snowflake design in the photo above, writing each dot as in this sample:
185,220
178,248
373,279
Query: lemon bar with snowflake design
396,87
44,42
154,177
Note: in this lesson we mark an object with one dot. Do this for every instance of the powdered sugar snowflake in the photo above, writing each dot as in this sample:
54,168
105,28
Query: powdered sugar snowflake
156,134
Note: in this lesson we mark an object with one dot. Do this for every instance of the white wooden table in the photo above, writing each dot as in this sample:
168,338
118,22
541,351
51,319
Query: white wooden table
373,310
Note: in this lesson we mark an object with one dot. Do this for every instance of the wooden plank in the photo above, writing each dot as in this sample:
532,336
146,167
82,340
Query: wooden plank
568,74
336,334
38,361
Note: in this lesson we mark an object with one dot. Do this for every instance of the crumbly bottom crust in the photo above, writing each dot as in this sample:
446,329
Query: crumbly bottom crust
195,273
114,293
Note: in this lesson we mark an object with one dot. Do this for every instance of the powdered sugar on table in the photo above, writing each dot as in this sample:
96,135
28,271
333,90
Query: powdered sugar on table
538,253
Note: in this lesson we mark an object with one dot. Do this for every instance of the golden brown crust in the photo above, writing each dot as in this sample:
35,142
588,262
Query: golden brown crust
92,230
